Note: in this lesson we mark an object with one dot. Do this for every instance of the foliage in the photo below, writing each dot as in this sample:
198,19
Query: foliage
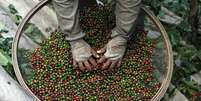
14,14
5,54
34,33
186,55
31,31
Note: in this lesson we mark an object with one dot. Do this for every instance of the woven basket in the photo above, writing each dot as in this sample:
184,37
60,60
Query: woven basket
168,60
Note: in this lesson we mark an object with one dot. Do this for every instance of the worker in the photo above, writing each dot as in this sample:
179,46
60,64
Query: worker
84,57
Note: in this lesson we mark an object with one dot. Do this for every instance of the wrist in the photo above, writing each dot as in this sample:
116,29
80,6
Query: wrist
120,39
81,40
117,33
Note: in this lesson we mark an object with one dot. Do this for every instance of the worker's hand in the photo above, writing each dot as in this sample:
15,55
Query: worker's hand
84,57
113,53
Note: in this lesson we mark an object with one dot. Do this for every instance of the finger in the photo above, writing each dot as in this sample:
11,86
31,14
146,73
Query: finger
102,50
95,54
106,65
119,63
81,66
87,65
92,61
75,64
102,59
113,64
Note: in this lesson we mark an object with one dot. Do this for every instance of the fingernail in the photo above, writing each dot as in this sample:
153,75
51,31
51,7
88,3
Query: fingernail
99,51
97,56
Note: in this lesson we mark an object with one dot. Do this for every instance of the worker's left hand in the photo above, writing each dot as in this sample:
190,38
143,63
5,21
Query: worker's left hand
113,53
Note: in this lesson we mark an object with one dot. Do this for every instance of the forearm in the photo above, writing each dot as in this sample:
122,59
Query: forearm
126,12
68,17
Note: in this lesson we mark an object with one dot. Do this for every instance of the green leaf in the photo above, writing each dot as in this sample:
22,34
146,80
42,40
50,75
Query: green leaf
29,29
17,19
199,54
34,33
2,28
161,14
12,9
3,59
109,1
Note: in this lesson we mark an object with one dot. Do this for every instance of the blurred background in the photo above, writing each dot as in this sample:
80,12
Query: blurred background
181,19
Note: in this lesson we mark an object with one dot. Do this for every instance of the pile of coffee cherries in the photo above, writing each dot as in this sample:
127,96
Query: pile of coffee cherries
54,78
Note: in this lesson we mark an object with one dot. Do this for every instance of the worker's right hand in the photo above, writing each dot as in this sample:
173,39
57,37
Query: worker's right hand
84,57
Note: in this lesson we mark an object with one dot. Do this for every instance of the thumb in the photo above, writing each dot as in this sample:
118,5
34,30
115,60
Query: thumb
95,54
102,50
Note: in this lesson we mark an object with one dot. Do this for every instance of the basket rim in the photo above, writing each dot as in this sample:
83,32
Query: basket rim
165,83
